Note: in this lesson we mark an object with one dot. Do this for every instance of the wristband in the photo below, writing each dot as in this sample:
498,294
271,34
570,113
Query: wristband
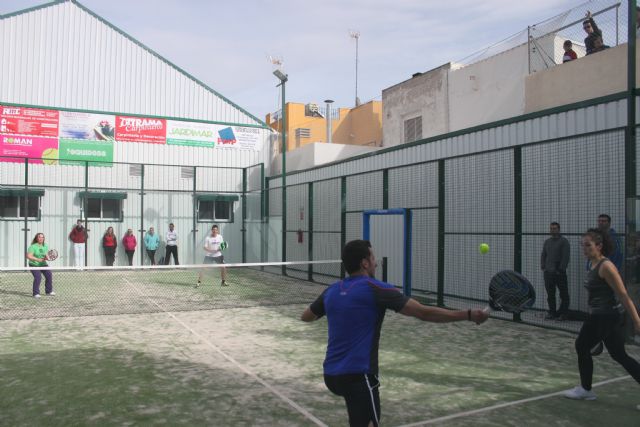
469,314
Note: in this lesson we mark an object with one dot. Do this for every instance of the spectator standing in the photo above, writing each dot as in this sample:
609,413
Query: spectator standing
593,32
172,245
151,243
569,53
554,262
79,236
109,245
604,224
129,242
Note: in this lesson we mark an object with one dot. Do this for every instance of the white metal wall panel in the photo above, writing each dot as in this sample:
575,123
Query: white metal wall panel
83,62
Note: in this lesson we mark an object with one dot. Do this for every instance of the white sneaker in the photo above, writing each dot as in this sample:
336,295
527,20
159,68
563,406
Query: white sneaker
50,294
36,296
579,393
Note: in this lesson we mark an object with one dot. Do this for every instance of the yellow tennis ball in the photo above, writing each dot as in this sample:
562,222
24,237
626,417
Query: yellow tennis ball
484,248
50,156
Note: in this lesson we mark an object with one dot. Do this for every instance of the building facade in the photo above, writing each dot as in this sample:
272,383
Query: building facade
97,126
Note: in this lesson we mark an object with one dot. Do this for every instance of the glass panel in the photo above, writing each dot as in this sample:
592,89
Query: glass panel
223,210
93,208
8,206
111,209
33,207
205,210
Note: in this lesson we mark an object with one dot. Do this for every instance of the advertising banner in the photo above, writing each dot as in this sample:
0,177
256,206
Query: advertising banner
239,137
78,125
28,121
191,133
93,151
141,129
29,146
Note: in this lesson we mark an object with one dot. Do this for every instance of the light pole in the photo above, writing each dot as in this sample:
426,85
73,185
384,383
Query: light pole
355,34
283,132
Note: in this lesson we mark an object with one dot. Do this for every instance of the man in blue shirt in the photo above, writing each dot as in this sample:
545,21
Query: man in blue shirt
355,308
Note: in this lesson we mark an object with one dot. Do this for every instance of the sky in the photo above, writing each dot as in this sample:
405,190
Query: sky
227,44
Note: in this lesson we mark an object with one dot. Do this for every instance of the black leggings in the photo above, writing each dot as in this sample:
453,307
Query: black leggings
361,394
608,328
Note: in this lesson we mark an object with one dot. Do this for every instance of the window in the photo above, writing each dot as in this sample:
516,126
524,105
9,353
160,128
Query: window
13,207
12,203
103,206
215,207
413,129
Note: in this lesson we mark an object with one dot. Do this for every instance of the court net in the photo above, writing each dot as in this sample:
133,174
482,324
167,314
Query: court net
132,290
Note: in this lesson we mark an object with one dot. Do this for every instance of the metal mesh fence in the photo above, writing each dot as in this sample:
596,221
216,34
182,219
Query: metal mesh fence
505,198
543,42
124,290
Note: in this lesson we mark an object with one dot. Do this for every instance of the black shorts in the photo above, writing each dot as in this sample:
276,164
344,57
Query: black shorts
213,259
361,394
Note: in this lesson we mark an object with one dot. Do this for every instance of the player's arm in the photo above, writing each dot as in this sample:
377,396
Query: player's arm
610,274
315,310
440,315
32,257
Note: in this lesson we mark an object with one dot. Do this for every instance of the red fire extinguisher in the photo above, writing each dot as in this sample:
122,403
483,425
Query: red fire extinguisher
300,236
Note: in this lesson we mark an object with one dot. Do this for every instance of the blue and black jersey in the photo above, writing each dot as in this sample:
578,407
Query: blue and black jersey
355,308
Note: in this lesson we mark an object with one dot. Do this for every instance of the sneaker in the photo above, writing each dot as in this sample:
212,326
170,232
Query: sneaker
36,296
198,284
51,294
550,317
578,393
224,283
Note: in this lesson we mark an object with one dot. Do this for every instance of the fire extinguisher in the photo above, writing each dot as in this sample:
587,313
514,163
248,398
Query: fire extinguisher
300,236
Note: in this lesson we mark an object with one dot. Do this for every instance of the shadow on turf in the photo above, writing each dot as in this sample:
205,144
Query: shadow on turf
95,386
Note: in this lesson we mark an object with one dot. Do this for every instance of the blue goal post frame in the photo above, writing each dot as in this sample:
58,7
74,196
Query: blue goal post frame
406,246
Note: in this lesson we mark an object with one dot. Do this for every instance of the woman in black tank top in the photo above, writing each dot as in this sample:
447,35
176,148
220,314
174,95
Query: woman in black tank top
605,320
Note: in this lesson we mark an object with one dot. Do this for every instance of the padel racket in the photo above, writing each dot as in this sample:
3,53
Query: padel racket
511,292
223,246
52,255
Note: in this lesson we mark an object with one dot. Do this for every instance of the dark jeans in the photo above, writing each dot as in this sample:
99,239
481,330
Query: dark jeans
610,329
152,255
130,256
171,250
110,255
361,394
559,280
37,278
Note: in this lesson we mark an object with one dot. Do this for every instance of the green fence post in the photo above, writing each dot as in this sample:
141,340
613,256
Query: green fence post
441,231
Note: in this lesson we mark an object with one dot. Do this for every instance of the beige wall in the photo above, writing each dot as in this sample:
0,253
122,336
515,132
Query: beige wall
593,76
361,125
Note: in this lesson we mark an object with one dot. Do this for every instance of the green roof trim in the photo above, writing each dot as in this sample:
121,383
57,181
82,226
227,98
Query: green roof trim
16,192
101,195
215,197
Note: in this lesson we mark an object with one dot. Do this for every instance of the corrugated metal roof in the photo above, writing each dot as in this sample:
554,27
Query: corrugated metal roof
85,62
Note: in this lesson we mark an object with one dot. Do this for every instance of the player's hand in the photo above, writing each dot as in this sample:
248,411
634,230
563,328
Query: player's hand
479,316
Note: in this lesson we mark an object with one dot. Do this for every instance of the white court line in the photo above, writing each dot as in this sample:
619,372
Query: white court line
266,385
503,405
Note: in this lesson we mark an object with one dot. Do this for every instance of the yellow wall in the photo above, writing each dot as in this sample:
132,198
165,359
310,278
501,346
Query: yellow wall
361,125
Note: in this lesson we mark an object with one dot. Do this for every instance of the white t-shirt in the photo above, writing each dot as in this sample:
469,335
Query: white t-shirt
213,244
172,238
